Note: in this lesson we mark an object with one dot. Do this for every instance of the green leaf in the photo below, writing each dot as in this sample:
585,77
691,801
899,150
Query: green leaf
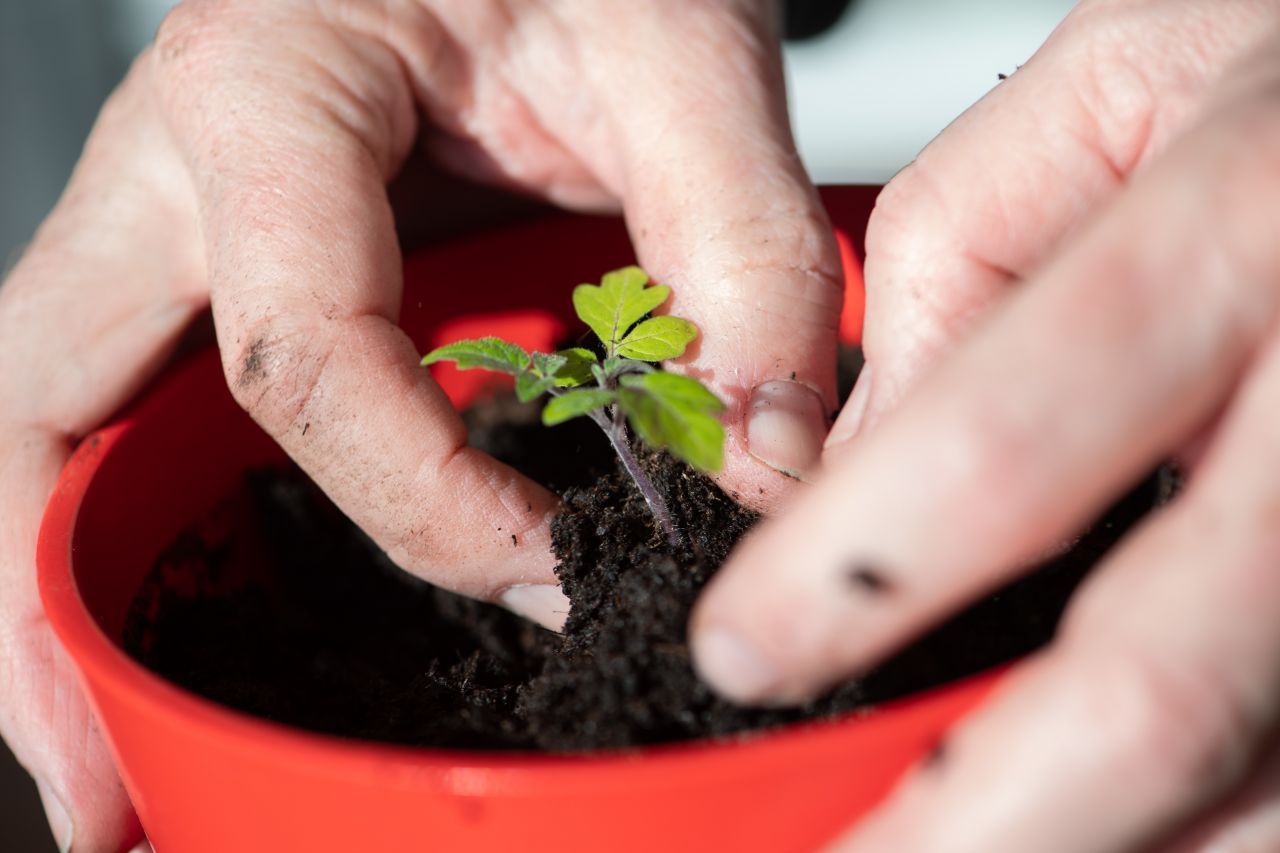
577,367
617,303
682,390
619,366
547,365
530,386
574,404
486,353
658,339
677,413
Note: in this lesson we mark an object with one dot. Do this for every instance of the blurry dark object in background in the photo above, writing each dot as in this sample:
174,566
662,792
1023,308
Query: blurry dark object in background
803,19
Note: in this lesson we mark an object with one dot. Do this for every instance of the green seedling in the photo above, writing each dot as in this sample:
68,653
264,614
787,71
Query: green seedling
665,410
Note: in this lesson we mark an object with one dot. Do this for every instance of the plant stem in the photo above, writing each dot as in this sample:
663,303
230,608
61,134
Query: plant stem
616,429
614,426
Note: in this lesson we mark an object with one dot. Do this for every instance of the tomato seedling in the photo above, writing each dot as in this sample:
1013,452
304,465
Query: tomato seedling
666,411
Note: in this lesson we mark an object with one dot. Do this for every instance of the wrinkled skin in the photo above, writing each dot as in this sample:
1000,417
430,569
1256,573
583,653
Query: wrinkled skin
243,163
1077,279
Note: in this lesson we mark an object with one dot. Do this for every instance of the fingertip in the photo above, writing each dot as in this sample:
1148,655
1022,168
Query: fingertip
849,422
58,816
743,635
545,604
732,665
735,666
785,425
83,810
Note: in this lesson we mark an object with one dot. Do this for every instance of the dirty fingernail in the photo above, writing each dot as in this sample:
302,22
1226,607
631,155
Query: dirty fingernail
732,665
854,413
58,816
545,604
786,424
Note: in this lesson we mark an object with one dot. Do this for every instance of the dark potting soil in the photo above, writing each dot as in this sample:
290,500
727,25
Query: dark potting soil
275,604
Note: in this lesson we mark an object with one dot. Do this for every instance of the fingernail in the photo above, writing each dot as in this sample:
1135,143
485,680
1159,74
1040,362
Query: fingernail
58,816
545,604
144,847
786,424
851,417
732,666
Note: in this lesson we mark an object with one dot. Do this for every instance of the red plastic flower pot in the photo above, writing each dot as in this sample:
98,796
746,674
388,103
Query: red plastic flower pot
206,779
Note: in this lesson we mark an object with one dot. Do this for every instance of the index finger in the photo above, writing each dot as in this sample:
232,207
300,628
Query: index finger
290,145
1128,343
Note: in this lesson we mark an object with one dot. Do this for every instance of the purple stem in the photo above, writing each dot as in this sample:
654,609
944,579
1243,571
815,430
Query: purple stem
616,429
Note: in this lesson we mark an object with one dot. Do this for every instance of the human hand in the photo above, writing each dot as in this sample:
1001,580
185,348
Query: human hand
244,161
1094,249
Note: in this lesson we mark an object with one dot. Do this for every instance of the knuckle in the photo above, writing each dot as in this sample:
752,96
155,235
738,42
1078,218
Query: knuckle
339,74
912,226
1118,94
179,58
786,233
1001,452
1230,173
792,239
1247,836
185,27
998,449
1243,184
1144,80
1236,842
916,254
781,263
274,372
1173,728
890,223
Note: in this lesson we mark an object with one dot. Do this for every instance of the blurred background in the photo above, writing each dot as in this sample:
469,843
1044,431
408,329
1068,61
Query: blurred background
870,83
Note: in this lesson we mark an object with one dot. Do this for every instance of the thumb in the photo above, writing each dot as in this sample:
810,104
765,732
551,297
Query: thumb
44,717
84,800
96,281
720,208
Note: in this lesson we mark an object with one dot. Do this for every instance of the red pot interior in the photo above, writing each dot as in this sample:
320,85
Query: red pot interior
205,778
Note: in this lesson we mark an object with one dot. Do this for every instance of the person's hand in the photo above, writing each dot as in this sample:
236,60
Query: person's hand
1078,279
244,161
